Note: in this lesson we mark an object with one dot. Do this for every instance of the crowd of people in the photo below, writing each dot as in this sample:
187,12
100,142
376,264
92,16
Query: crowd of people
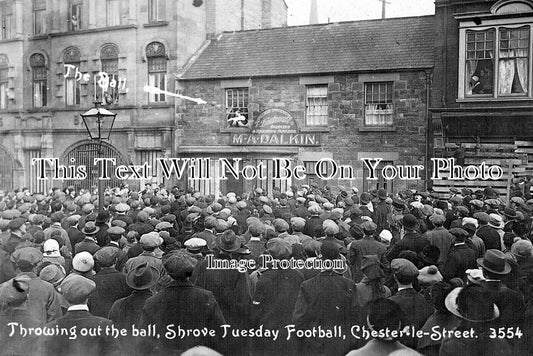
420,272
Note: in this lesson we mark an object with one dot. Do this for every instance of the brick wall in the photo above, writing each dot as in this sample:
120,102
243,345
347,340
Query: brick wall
343,139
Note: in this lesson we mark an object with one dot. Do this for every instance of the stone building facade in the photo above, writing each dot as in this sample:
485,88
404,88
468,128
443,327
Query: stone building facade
321,93
58,57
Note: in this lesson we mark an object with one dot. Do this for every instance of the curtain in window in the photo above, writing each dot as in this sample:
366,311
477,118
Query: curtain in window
471,67
506,72
522,68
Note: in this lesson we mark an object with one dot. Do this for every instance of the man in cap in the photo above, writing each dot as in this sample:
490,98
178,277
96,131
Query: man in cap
460,257
43,303
89,241
76,290
327,299
17,227
416,310
74,234
297,226
56,226
13,309
313,221
185,304
122,210
257,243
149,243
439,236
365,247
126,311
230,287
488,234
412,240
208,234
381,211
102,219
274,299
110,283
282,228
196,246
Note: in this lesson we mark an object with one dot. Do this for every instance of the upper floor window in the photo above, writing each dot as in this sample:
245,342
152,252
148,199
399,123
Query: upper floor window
113,12
109,61
4,70
40,82
378,104
237,106
156,10
71,58
497,55
75,19
317,105
157,70
6,16
39,19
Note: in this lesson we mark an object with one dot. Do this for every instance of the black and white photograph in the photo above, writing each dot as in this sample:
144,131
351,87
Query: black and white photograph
266,177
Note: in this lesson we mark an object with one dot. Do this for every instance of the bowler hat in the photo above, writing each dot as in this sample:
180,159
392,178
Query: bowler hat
143,276
409,221
494,261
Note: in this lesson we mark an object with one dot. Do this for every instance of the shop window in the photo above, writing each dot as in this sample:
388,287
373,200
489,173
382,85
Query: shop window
113,12
378,104
39,19
237,114
317,105
157,70
71,57
40,81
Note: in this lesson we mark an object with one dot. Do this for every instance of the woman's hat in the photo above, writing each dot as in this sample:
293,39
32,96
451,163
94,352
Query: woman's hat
468,303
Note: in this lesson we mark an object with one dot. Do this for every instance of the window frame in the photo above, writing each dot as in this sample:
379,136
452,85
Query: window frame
79,13
497,25
322,120
6,21
387,114
39,77
159,7
39,13
110,20
4,82
157,69
245,101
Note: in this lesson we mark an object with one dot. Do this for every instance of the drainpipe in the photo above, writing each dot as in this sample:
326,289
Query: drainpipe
428,126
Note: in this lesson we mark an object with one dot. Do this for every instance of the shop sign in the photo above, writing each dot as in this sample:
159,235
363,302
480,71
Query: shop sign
275,127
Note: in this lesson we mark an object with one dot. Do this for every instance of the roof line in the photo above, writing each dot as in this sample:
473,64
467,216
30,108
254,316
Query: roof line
326,24
359,71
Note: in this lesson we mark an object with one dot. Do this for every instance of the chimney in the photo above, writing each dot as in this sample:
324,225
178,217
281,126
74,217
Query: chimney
313,15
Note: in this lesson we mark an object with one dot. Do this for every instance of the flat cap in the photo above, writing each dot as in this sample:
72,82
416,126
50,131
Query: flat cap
122,207
279,248
28,255
52,274
16,223
15,290
76,289
179,262
83,262
195,244
297,223
151,239
106,256
404,268
280,225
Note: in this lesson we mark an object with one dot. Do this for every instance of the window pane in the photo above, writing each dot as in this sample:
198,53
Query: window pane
75,17
479,66
39,22
3,95
317,105
378,104
513,64
237,106
113,12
